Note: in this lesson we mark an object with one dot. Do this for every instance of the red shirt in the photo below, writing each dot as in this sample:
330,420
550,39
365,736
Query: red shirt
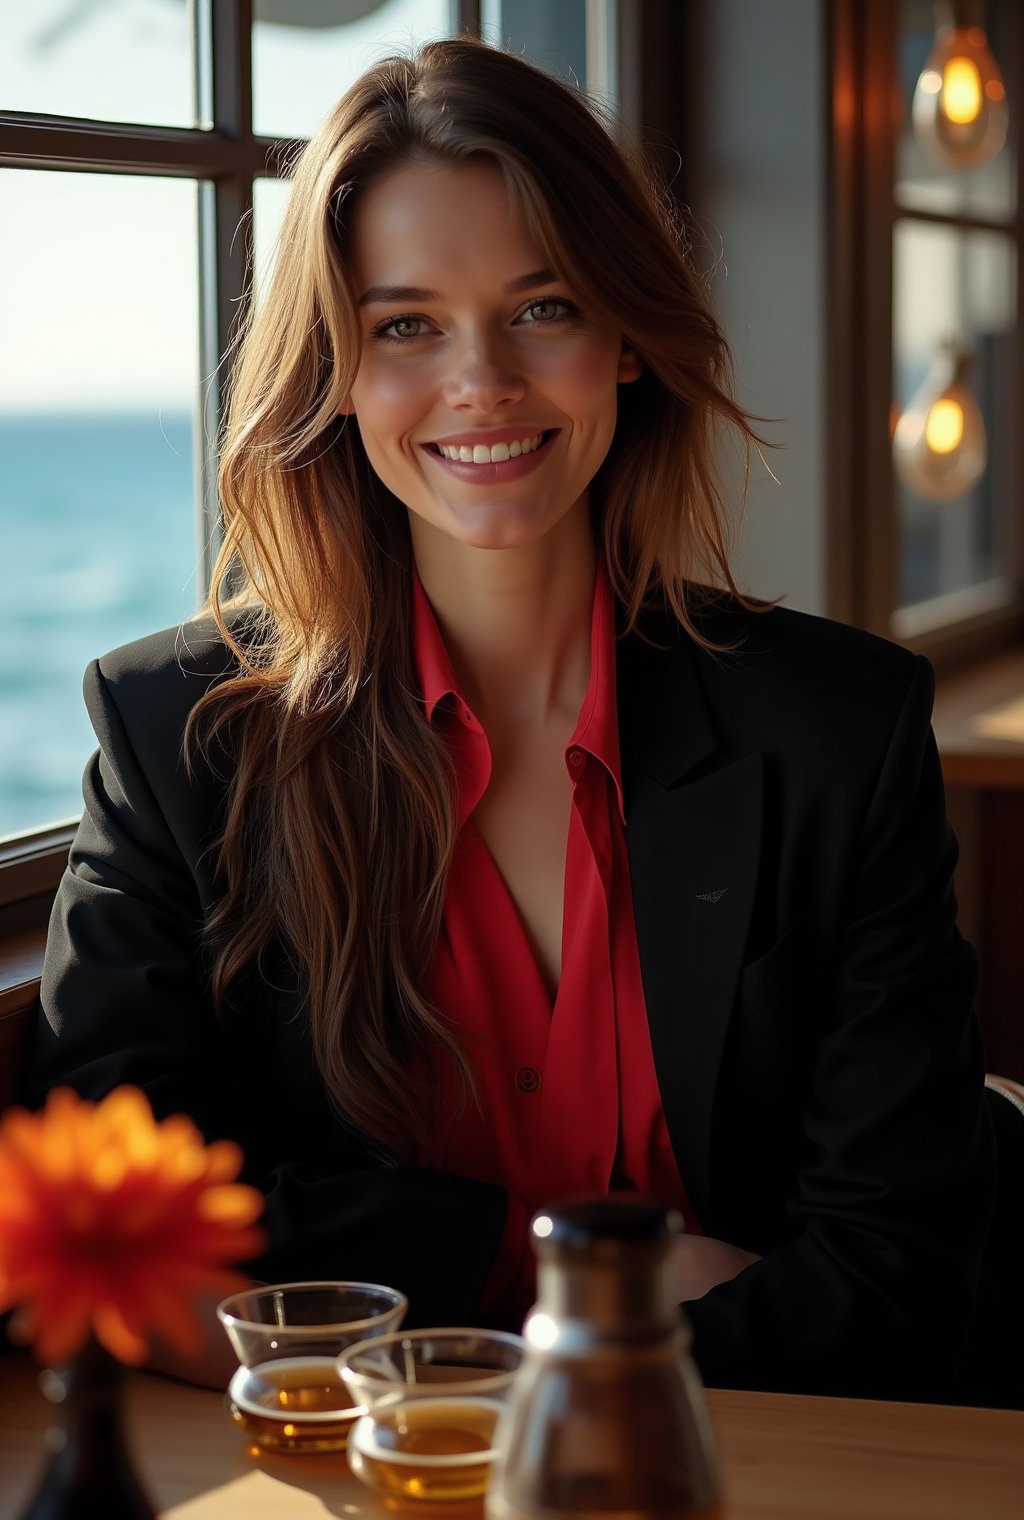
567,1096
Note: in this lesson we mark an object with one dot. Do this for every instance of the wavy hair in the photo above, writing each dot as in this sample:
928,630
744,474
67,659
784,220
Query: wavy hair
339,827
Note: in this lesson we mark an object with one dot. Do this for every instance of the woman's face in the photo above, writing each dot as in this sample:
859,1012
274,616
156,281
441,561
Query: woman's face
485,398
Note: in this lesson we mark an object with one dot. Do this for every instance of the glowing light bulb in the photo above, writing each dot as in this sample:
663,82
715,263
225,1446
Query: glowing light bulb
939,445
961,91
960,114
944,425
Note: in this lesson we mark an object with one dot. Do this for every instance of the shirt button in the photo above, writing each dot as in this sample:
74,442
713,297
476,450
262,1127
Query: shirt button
527,1079
576,757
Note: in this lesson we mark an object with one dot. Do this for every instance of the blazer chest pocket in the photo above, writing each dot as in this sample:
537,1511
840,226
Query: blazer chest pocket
772,976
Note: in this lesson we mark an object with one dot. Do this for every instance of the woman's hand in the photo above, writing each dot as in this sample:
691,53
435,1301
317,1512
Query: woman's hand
215,1364
700,1263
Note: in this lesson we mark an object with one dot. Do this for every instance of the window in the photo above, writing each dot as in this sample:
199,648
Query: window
98,292
925,273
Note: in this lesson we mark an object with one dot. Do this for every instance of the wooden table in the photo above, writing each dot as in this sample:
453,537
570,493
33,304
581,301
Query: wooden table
783,1458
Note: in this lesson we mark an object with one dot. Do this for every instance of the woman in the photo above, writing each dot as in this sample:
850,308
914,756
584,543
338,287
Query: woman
475,851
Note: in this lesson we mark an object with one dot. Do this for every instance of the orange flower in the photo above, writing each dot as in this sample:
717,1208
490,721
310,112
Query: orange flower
110,1222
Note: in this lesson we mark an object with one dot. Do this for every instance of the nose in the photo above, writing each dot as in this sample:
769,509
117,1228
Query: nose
484,375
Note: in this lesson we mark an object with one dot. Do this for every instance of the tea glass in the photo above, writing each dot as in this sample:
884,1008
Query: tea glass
432,1400
287,1395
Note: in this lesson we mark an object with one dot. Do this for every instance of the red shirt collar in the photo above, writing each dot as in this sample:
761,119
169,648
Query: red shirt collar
434,668
597,728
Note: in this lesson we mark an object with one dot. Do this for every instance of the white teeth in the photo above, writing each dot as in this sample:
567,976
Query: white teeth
496,454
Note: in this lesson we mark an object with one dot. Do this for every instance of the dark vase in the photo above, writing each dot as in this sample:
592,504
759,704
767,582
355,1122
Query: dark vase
89,1475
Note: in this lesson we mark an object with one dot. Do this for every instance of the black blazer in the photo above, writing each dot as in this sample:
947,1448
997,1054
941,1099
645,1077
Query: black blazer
808,994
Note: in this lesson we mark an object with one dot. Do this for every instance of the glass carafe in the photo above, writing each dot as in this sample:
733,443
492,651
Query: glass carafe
607,1416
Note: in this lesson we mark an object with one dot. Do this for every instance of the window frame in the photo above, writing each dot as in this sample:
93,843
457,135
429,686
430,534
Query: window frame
863,530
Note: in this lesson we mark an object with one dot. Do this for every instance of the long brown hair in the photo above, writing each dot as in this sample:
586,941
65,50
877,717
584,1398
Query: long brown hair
340,818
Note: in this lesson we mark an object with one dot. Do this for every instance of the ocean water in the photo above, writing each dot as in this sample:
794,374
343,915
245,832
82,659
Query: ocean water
97,546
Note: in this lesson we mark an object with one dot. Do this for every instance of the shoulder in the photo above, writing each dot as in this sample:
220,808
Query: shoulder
187,658
790,682
144,692
804,653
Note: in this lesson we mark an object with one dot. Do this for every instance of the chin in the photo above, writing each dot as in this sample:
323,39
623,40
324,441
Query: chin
500,538
497,530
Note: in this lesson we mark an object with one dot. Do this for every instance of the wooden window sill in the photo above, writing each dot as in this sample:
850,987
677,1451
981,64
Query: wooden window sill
979,722
22,939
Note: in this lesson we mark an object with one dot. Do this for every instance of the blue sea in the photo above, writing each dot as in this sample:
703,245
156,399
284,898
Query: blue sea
97,546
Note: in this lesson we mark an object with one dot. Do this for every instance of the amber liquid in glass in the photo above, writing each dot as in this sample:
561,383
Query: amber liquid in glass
427,1448
296,1404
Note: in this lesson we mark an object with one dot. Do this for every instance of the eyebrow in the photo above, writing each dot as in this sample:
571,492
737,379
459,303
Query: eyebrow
390,294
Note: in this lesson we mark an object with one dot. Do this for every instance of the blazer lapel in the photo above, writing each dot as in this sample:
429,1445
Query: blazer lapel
693,828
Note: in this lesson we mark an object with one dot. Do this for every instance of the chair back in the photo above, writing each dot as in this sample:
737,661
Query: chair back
997,1364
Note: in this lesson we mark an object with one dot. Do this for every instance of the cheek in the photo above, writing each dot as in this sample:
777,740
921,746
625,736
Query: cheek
587,380
388,401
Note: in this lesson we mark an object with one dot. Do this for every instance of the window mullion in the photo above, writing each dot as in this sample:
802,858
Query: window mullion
53,142
225,235
468,16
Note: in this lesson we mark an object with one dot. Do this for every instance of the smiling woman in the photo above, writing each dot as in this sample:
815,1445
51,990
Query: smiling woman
477,354
514,852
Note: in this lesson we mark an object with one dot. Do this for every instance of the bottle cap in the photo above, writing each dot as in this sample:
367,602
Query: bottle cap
618,1218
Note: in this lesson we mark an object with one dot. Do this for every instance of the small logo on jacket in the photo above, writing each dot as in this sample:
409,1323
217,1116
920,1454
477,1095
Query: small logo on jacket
712,897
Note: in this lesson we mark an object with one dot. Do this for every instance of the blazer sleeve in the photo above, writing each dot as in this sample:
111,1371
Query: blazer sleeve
124,1000
874,1293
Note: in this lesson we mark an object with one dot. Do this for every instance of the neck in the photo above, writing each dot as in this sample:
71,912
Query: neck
516,622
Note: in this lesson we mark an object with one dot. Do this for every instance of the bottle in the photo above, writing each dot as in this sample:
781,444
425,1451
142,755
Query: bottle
607,1415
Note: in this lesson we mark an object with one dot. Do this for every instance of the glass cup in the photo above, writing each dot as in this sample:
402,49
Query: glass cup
432,1400
287,1394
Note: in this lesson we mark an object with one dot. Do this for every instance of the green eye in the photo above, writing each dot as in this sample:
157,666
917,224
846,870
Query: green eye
544,311
548,311
399,329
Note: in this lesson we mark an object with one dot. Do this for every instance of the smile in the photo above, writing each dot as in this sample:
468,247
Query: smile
491,453
491,464
497,453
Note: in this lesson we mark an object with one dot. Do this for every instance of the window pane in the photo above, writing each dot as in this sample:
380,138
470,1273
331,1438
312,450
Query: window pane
269,199
96,495
551,33
922,183
303,60
111,60
953,285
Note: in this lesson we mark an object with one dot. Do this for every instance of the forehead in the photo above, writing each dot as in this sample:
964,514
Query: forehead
436,225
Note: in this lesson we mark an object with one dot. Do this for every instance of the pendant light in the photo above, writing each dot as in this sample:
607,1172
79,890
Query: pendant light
939,446
960,113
